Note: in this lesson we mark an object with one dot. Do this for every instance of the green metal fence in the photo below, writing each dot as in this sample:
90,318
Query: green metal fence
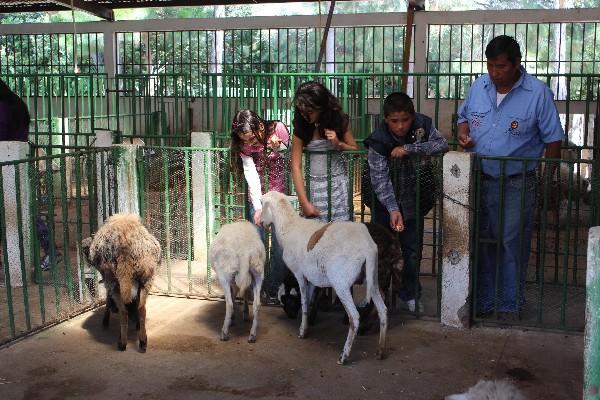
51,53
568,47
187,194
65,109
553,293
373,49
48,205
154,108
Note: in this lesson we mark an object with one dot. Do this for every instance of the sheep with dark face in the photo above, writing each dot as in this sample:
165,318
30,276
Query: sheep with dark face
126,255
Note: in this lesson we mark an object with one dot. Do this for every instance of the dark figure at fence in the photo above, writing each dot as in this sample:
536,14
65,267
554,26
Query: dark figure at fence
14,126
507,113
256,147
396,151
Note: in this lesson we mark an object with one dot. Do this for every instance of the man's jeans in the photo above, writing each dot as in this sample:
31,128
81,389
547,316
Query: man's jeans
512,231
411,243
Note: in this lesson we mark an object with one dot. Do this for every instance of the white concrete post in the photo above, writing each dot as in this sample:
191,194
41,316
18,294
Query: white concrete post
104,139
126,174
456,245
11,151
591,370
203,214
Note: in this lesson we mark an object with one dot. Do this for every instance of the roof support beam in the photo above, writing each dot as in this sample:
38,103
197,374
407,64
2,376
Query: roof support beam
87,6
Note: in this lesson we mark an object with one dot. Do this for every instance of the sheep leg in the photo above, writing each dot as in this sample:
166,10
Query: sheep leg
124,317
347,301
228,310
382,313
106,318
141,322
255,306
245,309
233,298
302,285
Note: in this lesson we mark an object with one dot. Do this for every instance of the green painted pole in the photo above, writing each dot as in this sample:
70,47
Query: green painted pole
591,383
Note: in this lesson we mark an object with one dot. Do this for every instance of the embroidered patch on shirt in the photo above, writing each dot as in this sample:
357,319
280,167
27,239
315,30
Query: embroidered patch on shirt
419,133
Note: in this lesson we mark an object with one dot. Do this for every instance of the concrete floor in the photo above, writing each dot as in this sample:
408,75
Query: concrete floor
185,359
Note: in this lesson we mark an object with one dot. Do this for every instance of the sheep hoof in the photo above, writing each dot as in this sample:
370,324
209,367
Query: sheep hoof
380,355
302,335
342,360
252,339
143,346
122,346
224,337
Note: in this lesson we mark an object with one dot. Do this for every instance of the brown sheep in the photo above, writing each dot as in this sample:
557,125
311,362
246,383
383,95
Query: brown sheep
126,255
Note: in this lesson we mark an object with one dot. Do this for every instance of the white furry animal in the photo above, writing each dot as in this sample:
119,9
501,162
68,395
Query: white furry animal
327,255
126,255
238,257
490,390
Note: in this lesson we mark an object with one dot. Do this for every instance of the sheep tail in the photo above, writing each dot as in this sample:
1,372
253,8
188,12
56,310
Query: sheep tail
243,278
371,273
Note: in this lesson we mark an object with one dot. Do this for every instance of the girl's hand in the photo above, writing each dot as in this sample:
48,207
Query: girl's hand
257,216
310,211
332,137
275,142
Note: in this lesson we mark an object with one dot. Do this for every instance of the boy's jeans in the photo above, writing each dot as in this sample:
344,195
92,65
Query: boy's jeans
411,242
277,268
513,257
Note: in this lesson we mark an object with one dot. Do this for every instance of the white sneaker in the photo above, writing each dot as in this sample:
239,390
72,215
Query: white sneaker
411,304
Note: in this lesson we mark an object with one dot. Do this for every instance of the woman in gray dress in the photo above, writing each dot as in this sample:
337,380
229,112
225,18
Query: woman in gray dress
322,129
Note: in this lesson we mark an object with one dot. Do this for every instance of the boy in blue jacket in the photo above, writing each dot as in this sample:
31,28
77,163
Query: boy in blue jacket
395,154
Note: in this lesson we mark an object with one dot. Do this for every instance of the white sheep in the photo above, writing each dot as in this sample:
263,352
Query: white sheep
238,256
327,255
490,390
126,255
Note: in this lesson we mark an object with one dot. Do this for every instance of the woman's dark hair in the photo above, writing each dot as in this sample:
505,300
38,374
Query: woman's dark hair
314,96
248,121
503,45
398,102
18,121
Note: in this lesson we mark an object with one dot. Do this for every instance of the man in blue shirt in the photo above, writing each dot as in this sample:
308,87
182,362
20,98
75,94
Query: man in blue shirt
507,113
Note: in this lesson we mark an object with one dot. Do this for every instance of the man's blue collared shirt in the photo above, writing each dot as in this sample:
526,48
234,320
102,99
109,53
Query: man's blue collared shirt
524,122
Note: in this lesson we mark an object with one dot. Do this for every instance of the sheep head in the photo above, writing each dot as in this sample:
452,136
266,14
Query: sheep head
269,201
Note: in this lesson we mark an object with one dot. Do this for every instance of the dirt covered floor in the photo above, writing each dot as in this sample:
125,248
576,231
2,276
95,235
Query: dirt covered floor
185,359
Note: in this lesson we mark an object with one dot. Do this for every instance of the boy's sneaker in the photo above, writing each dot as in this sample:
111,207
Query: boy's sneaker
412,305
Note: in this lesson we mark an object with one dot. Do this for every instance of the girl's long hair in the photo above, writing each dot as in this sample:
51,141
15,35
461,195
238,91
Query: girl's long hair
19,115
313,95
245,121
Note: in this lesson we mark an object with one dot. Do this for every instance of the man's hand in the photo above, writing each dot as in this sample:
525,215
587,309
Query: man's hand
464,137
396,221
399,152
465,141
